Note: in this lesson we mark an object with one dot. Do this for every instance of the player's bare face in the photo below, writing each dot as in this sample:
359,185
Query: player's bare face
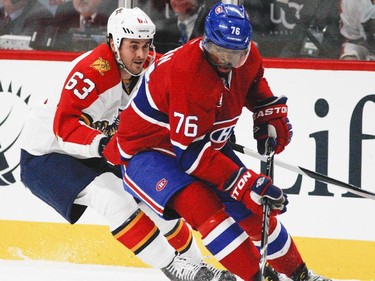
133,54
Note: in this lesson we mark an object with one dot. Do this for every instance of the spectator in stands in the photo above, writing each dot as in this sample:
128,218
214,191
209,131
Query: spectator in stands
81,24
23,17
186,23
155,8
358,27
298,28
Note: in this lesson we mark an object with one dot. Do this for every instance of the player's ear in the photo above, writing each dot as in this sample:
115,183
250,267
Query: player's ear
112,45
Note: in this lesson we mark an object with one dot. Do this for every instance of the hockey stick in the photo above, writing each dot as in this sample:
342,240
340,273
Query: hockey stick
305,172
266,218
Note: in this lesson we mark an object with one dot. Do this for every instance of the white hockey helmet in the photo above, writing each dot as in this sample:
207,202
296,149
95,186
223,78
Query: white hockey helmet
131,23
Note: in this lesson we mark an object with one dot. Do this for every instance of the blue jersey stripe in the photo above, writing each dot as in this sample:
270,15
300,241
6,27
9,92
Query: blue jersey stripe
277,244
224,238
190,155
143,104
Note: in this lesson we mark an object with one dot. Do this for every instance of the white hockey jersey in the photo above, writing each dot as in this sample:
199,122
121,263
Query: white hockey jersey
88,109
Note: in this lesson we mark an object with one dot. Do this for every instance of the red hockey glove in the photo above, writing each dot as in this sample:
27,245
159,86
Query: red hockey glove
271,124
250,188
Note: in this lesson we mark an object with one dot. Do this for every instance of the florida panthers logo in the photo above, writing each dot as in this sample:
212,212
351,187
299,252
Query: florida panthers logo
13,112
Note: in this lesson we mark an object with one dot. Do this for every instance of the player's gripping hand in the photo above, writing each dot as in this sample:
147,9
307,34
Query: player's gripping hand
250,188
102,145
271,124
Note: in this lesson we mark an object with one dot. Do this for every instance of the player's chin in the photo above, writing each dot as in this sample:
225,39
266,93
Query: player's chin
137,68
224,69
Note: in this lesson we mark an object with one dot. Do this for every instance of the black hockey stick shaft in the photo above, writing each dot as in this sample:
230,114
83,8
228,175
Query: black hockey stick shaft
266,218
306,172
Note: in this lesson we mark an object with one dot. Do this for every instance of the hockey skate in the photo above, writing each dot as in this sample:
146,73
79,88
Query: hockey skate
220,275
271,275
283,277
181,269
303,274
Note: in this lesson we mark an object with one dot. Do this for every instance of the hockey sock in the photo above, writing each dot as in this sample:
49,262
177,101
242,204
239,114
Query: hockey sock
140,235
282,253
289,262
230,245
196,203
181,238
222,236
178,234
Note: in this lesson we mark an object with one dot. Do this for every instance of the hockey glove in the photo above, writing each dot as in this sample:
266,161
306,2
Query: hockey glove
249,188
271,124
102,144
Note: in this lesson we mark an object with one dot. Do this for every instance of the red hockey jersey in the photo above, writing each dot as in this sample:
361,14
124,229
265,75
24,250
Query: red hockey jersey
183,108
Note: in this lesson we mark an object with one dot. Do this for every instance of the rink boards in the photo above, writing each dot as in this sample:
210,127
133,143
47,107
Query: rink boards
331,107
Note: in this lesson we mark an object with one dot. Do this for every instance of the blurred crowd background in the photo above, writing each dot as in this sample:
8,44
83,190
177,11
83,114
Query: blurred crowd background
316,29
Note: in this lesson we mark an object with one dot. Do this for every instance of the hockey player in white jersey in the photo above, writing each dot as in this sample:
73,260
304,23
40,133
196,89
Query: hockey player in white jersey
62,162
358,27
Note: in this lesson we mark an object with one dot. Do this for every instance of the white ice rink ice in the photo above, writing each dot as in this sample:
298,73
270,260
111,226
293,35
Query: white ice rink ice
57,271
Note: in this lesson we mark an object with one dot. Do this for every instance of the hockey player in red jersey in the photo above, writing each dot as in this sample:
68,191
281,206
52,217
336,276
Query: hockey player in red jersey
62,163
176,131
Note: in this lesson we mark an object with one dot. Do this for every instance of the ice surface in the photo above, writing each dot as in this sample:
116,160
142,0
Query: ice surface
27,270
56,271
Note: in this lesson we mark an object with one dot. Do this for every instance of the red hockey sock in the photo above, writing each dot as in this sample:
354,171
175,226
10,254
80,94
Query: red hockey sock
140,235
253,226
137,232
180,237
196,203
223,237
235,251
289,261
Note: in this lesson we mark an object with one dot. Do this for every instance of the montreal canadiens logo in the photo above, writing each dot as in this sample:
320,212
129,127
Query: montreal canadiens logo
161,184
218,10
221,132
220,136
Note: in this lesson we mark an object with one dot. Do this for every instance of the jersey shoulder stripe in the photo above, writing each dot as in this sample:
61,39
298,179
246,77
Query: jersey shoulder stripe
144,108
